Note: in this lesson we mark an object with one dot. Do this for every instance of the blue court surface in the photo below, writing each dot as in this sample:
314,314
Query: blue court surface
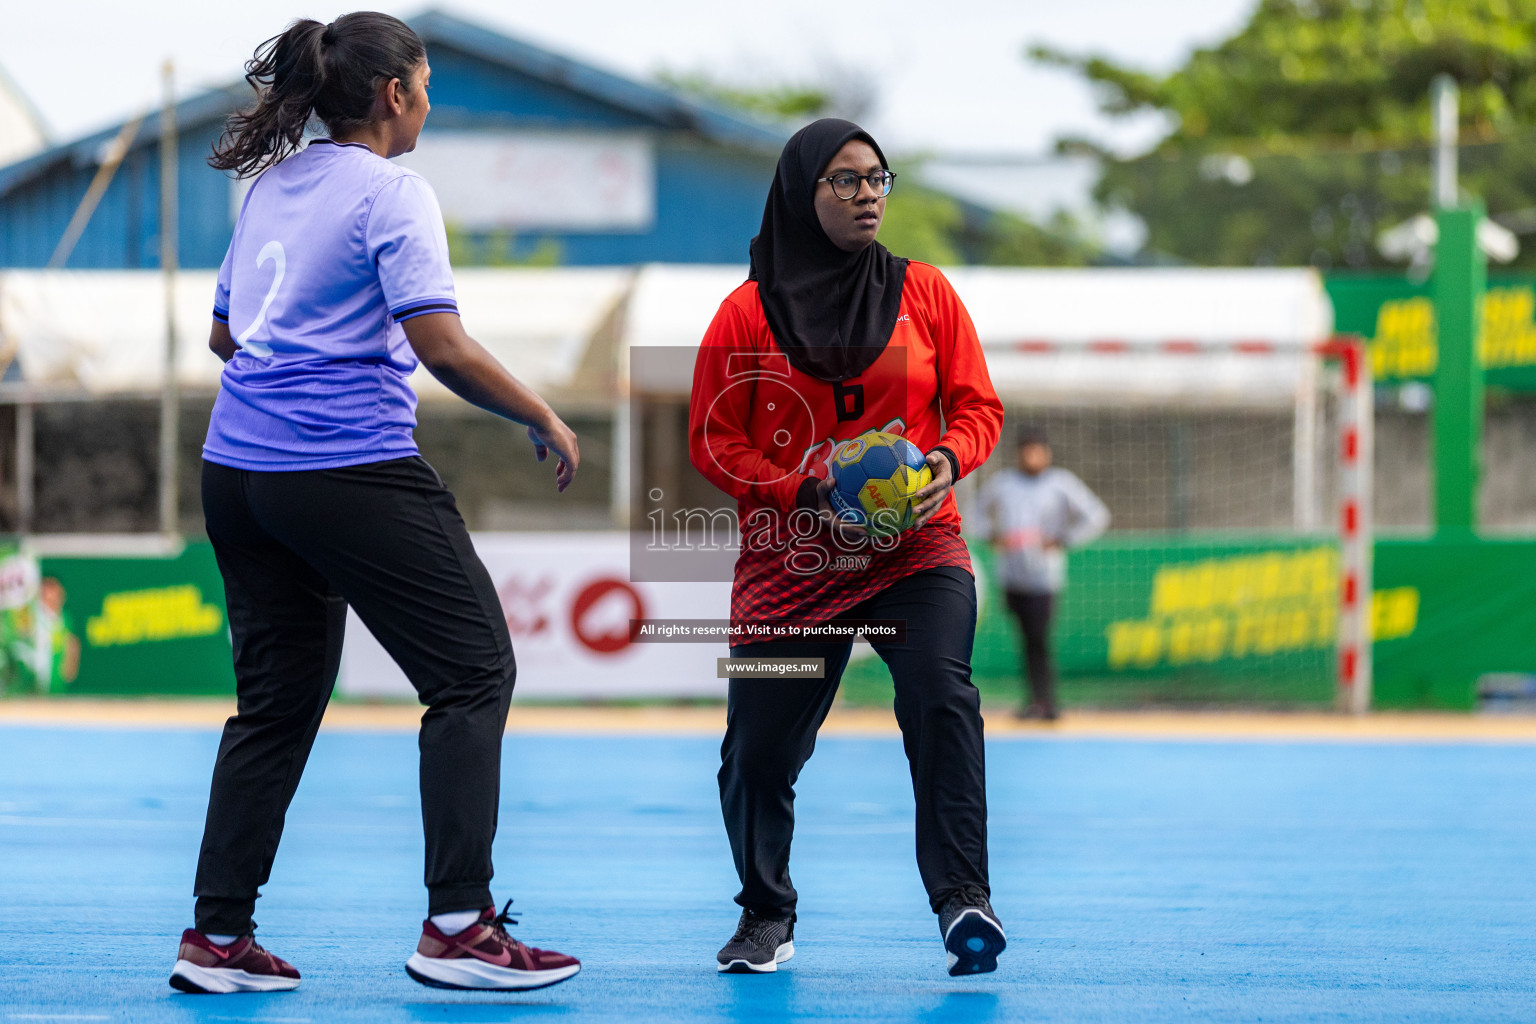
1139,880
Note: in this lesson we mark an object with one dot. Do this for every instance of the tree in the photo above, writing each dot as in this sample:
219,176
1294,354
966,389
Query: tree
1306,133
783,101
500,248
921,223
836,91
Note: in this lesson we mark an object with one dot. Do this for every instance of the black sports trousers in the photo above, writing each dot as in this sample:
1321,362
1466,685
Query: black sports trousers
771,728
295,549
1033,610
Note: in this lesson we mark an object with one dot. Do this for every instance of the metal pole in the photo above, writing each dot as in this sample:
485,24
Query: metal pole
621,482
1356,444
1444,99
98,188
26,463
1461,273
1364,400
170,404
1304,449
1461,277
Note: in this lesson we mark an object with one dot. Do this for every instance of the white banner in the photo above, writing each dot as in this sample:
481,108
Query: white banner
551,181
568,602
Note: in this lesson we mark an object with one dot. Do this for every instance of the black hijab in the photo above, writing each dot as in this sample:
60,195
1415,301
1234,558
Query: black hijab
832,312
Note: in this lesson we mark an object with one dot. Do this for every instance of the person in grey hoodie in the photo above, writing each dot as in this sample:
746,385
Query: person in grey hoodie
1031,515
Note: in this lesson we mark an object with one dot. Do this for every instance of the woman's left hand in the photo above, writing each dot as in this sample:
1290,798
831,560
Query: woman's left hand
931,497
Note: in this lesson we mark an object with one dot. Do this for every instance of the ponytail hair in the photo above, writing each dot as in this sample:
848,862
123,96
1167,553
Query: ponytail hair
331,72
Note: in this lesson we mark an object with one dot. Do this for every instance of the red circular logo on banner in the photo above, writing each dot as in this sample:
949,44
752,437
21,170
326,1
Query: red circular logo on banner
599,629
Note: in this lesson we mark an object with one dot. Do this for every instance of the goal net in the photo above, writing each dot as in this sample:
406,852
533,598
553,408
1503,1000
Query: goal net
1236,476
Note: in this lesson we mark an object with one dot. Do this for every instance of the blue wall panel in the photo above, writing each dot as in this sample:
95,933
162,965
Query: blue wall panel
469,91
124,232
708,202
708,206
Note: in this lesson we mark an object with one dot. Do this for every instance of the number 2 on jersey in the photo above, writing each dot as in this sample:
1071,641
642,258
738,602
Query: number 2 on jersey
272,251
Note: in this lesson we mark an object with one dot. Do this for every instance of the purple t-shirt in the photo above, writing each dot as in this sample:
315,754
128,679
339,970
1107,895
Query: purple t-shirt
335,247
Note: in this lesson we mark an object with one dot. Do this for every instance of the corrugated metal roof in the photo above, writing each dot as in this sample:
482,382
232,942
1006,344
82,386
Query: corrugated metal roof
655,104
22,129
206,107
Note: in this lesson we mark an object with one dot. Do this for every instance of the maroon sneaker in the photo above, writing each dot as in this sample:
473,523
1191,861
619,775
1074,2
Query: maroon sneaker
241,966
484,956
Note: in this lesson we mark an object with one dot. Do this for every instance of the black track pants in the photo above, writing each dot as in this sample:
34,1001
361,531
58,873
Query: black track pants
295,549
771,731
1033,610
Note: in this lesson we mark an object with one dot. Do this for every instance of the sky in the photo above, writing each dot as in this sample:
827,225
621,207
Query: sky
947,78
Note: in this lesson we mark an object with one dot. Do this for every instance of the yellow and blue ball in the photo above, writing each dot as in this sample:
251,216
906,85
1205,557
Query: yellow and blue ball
874,478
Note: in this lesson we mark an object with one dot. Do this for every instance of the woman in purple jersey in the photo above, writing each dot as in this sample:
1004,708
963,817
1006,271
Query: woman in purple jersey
335,286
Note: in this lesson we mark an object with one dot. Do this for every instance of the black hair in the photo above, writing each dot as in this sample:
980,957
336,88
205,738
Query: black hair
331,72
1032,433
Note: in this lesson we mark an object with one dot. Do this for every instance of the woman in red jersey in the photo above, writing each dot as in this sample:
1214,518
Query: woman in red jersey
832,336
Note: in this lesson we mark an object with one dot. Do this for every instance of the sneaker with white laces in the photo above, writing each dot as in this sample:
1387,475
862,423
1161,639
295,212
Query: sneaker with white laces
484,956
205,967
759,945
972,934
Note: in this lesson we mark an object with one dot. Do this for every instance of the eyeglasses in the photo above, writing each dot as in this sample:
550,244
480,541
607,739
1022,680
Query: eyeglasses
845,184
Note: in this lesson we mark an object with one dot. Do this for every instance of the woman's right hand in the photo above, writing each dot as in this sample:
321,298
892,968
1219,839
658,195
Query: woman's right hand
472,373
554,435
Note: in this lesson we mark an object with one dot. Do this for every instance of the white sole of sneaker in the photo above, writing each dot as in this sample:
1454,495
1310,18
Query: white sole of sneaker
188,977
781,954
469,973
972,944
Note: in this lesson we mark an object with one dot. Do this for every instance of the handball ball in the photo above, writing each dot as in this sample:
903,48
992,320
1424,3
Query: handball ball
874,477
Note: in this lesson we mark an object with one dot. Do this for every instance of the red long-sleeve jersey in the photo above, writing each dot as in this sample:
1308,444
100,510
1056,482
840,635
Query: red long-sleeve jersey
759,429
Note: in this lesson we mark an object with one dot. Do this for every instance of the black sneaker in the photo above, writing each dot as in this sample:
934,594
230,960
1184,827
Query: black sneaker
759,945
972,934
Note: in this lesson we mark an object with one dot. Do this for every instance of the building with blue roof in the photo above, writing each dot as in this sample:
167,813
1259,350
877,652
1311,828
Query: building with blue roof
534,157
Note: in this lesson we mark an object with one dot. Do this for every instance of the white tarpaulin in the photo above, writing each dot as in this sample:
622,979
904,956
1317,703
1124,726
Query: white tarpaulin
1008,305
568,600
104,331
539,181
1019,310
1037,326
537,322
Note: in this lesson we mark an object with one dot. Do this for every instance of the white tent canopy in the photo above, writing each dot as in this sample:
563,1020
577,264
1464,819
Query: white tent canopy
1285,307
103,331
1040,329
21,129
1020,312
590,336
672,305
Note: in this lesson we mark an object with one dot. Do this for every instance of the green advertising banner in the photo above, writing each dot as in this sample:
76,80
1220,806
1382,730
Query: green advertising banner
1192,617
34,651
137,625
1204,618
1397,318
1473,613
1145,617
